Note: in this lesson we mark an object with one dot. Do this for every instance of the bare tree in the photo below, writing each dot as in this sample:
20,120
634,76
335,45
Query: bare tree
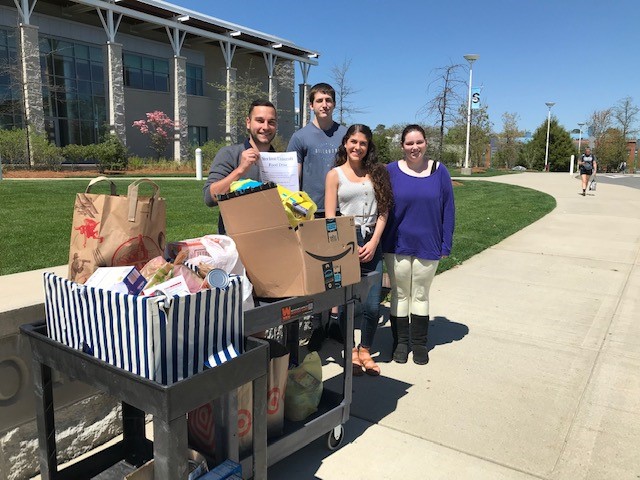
447,100
625,113
344,91
244,90
508,140
599,122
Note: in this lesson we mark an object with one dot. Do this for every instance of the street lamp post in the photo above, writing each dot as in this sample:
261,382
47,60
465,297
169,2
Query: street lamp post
469,58
581,124
546,155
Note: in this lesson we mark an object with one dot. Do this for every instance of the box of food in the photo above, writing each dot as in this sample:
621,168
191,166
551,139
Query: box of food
283,261
117,279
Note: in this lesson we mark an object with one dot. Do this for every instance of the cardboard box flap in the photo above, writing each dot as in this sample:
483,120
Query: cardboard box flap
252,210
273,260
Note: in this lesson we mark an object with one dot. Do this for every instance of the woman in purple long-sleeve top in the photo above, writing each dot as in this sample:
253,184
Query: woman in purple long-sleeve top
418,234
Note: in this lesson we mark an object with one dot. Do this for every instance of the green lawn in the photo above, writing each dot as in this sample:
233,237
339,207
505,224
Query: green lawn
35,217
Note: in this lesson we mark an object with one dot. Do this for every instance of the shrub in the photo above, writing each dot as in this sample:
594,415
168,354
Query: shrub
76,154
46,155
13,146
209,151
136,163
111,154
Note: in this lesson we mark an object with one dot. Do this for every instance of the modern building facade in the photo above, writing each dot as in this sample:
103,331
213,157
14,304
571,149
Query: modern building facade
74,69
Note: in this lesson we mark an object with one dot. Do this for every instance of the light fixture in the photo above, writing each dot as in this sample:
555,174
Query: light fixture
312,55
183,18
276,45
237,33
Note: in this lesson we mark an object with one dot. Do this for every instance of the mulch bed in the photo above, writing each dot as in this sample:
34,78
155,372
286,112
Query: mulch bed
76,174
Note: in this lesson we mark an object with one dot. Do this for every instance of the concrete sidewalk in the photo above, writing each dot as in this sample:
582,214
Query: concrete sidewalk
535,367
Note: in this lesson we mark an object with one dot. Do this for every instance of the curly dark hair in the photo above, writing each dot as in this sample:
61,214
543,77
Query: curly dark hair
377,171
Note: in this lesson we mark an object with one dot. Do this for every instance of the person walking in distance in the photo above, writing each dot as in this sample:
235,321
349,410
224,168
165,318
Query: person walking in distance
419,233
316,145
359,186
588,166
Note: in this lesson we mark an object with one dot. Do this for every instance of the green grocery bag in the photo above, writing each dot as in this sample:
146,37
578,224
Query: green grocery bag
304,388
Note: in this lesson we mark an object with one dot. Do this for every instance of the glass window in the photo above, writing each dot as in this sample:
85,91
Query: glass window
147,80
84,87
97,88
64,48
146,73
161,83
133,77
69,68
197,135
161,66
97,72
83,70
133,61
147,64
82,52
195,85
85,107
95,54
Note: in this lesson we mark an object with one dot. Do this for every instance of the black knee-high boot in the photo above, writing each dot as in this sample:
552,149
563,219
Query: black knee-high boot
419,330
400,331
394,332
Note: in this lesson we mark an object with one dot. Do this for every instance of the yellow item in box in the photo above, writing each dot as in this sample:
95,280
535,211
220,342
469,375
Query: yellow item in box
297,205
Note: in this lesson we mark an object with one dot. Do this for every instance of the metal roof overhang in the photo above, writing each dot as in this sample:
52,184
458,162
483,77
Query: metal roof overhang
152,14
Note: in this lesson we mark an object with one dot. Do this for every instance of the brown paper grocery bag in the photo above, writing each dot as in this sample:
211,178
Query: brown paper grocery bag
111,230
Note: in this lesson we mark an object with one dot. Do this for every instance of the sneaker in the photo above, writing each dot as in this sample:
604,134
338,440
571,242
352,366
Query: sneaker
583,194
316,339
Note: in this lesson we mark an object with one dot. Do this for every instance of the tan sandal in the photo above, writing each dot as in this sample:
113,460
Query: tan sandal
370,367
356,363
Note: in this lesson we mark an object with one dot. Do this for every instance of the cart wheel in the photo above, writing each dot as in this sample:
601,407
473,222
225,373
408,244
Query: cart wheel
335,437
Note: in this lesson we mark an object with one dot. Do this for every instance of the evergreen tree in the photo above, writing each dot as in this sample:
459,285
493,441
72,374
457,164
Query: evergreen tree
560,147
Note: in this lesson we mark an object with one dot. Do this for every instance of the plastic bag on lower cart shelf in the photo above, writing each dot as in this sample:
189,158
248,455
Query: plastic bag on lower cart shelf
304,388
200,421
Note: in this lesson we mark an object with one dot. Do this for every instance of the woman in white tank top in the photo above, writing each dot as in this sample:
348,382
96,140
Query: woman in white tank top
359,186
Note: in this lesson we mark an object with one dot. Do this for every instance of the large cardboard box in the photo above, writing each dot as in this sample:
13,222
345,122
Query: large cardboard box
283,261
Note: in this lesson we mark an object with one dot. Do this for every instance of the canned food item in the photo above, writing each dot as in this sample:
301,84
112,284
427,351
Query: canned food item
217,278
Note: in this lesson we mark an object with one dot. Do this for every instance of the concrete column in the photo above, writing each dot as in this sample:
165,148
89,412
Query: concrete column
231,130
303,104
31,79
273,90
180,117
114,80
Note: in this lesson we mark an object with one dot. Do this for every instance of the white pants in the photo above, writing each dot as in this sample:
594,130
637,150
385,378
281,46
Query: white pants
411,279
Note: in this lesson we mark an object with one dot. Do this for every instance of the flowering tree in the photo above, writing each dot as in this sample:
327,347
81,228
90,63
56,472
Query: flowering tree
158,126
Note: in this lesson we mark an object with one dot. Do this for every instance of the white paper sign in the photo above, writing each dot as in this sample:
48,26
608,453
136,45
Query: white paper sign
280,168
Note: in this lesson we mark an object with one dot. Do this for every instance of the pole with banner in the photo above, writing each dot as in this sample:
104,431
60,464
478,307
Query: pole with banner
475,98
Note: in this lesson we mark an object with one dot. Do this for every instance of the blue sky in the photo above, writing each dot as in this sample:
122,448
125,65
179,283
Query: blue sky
583,55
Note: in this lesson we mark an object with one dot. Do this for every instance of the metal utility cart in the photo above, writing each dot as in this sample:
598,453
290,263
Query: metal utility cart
334,407
168,405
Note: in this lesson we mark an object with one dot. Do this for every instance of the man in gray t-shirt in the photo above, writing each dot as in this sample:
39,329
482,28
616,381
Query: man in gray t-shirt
317,143
236,162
